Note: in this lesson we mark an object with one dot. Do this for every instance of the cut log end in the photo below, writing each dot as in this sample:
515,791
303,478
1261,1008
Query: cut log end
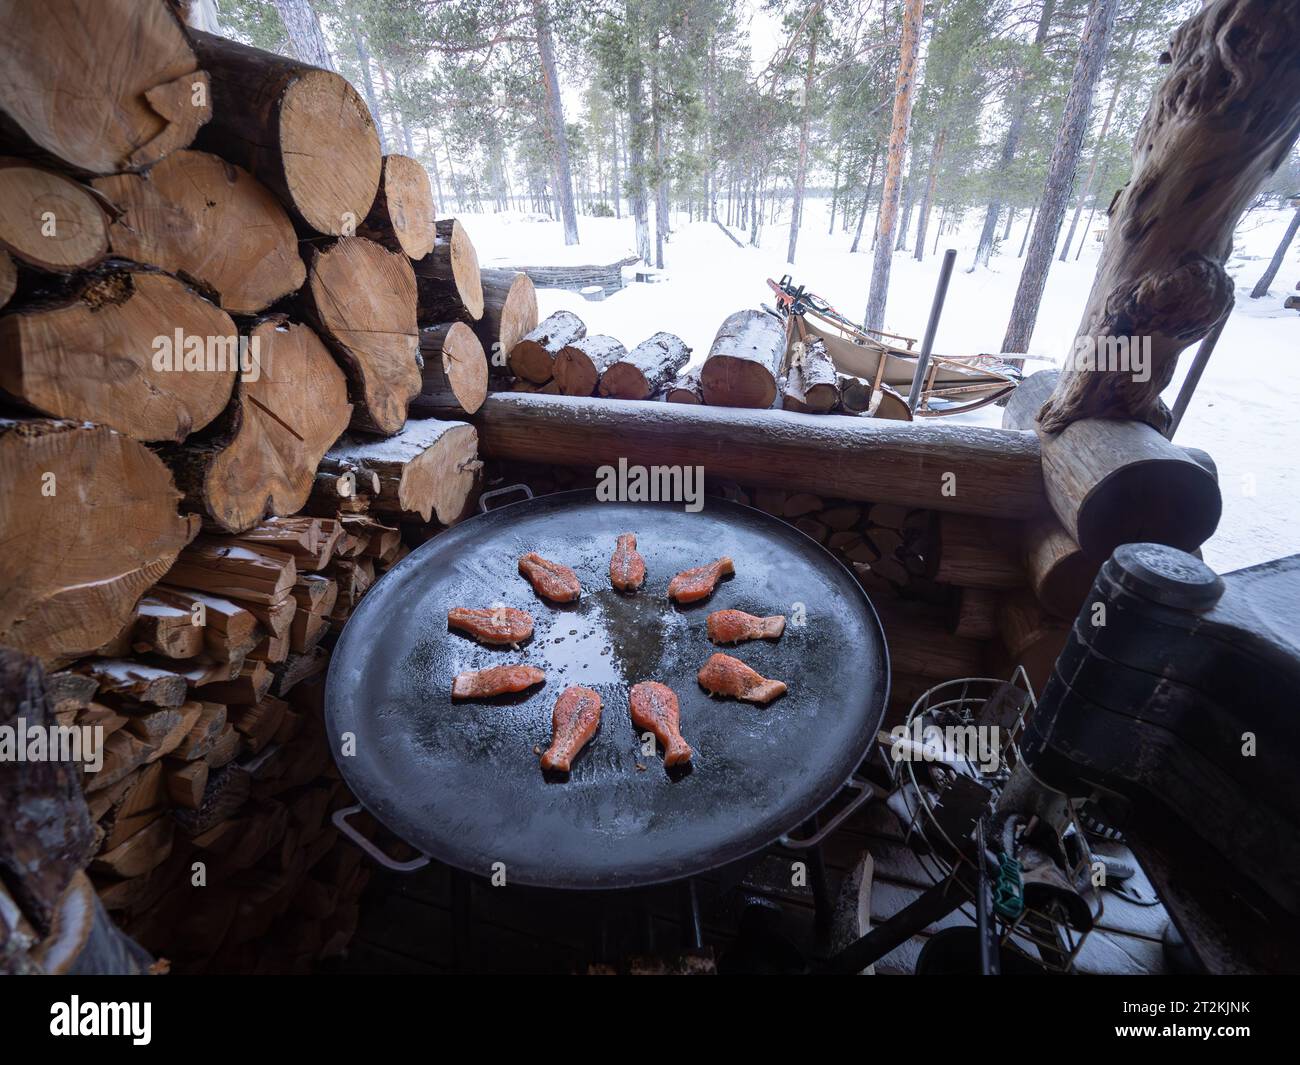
402,218
49,221
455,366
744,361
533,358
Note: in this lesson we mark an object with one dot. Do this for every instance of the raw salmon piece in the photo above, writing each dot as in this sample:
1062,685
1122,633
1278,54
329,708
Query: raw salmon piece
550,580
733,626
574,722
495,681
627,567
497,625
692,585
724,675
654,708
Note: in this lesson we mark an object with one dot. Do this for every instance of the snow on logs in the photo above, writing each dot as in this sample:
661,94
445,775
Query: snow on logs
198,216
429,468
647,369
533,358
283,419
361,299
402,216
449,281
99,85
303,132
581,362
744,361
987,472
132,348
70,575
811,384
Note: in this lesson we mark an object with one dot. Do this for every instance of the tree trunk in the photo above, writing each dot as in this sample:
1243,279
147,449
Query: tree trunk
303,27
866,199
1261,286
197,216
368,81
909,45
936,157
1060,174
801,173
559,139
1015,129
636,135
1207,143
1029,228
657,134
302,132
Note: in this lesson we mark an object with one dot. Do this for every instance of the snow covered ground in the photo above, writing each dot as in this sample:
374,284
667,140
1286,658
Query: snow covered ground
1245,412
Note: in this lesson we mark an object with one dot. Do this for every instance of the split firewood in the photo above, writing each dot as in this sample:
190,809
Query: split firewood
361,298
224,748
257,722
315,595
401,218
382,542
252,683
429,468
647,369
272,650
354,577
246,573
48,220
455,369
164,729
310,540
844,516
141,852
890,405
136,680
509,314
134,350
448,278
226,791
277,429
812,377
139,90
533,358
685,388
134,802
229,629
99,716
185,782
303,132
204,733
297,668
163,629
123,753
341,489
744,361
197,216
72,575
580,363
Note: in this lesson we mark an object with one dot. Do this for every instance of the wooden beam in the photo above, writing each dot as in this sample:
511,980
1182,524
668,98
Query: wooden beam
961,469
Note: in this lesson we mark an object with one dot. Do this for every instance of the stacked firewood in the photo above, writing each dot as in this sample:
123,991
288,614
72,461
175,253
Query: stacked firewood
220,306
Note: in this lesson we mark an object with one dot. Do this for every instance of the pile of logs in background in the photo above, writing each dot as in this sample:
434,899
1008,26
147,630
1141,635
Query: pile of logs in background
186,534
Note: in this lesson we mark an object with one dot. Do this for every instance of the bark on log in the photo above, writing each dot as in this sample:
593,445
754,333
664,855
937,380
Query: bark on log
855,396
509,314
744,361
100,85
135,350
455,368
8,277
647,369
361,298
812,380
580,363
994,472
402,216
303,132
199,217
448,277
1224,118
685,388
46,835
429,468
533,358
48,220
280,425
71,576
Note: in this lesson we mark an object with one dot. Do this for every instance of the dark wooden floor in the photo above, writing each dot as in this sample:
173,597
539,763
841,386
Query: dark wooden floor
441,920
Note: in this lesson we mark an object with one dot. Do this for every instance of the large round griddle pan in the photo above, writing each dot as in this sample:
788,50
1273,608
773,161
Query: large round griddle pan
461,781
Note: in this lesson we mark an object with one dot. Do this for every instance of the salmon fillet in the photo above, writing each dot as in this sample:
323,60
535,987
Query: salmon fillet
733,626
573,722
724,675
498,680
549,579
499,625
692,585
654,708
627,567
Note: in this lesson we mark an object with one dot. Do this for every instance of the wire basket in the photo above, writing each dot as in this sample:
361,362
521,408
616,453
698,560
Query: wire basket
1043,934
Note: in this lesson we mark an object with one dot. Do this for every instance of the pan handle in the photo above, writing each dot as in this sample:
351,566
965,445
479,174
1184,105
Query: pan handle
482,500
865,790
340,820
